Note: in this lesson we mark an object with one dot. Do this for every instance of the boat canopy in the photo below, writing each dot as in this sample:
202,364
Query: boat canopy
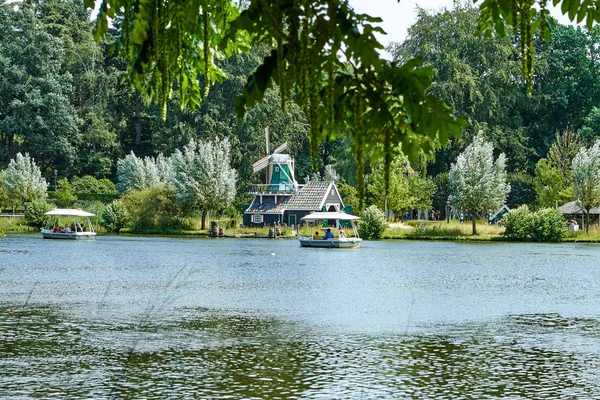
68,212
318,216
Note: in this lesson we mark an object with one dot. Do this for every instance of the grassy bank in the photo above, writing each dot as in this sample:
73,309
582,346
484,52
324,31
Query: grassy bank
15,225
441,230
412,230
228,232
592,236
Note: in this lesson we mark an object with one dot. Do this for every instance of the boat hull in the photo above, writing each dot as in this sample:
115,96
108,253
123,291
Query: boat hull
343,243
46,234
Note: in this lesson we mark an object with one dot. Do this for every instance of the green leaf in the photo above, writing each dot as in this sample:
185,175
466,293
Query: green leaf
581,14
573,9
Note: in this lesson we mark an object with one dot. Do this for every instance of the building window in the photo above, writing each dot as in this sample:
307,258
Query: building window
257,218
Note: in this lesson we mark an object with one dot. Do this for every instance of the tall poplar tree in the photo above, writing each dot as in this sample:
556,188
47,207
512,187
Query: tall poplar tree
478,182
23,181
202,176
586,178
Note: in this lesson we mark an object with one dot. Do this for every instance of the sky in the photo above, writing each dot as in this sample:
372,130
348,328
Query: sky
399,16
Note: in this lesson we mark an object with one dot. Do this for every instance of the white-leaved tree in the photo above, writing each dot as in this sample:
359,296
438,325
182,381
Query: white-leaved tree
134,173
23,181
203,178
329,175
586,178
478,182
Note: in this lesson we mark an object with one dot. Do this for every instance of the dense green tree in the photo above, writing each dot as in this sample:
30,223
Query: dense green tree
349,197
478,77
307,38
335,92
89,184
591,126
152,209
4,200
550,186
522,189
63,101
442,193
397,197
36,115
566,86
566,145
406,190
65,194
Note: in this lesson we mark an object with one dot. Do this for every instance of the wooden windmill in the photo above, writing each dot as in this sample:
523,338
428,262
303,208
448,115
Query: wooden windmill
280,167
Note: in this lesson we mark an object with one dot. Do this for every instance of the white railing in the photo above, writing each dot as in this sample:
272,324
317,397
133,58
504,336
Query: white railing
281,188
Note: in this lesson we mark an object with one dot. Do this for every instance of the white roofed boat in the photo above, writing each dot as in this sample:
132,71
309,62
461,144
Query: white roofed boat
77,224
339,242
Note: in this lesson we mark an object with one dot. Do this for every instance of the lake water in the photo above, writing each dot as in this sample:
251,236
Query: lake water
123,317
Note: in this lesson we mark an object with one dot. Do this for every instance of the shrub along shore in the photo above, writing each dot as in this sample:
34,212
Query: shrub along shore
455,231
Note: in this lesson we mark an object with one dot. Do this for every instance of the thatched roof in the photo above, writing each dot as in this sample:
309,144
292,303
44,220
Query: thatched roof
574,207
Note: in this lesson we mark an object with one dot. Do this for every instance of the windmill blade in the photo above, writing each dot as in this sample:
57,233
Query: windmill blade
260,164
280,148
267,139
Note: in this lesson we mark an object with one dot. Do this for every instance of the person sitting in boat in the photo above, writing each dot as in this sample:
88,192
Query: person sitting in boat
328,234
317,235
342,234
67,229
56,228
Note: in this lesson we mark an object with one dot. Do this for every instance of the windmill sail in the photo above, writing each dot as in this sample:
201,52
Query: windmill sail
260,164
267,139
280,148
284,172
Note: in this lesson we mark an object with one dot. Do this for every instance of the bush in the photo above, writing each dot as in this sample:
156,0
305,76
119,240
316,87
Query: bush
373,223
4,200
103,198
545,225
152,210
65,195
106,186
114,217
518,224
548,225
85,184
35,213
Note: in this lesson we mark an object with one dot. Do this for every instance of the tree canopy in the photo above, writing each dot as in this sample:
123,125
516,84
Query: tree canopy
324,56
62,99
23,181
586,178
478,182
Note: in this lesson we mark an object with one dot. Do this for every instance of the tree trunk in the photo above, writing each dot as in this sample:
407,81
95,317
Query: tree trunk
203,223
138,122
587,220
474,222
10,147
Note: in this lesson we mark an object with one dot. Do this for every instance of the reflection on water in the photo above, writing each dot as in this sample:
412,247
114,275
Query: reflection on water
213,354
152,319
